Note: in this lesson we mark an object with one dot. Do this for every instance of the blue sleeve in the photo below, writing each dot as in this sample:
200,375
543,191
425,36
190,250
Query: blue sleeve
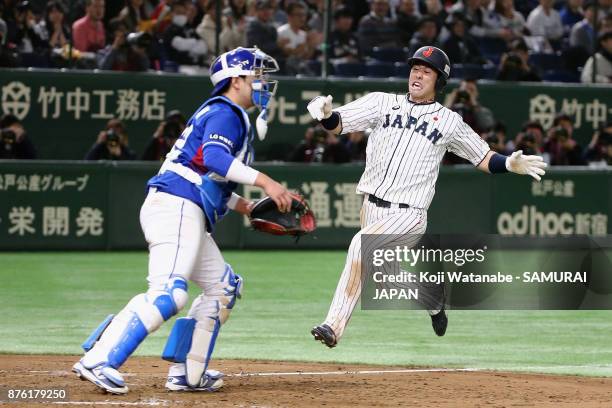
222,137
223,128
216,158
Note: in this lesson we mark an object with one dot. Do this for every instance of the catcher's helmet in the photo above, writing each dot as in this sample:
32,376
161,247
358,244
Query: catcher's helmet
240,61
436,59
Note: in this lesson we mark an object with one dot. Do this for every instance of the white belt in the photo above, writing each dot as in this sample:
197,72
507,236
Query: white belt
184,172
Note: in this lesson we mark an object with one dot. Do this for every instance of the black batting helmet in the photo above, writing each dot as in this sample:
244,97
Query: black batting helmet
436,59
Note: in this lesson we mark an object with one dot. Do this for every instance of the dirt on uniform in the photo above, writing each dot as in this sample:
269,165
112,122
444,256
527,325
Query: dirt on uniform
315,387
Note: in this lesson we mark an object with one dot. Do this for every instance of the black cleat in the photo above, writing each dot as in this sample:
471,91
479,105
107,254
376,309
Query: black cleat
439,322
325,335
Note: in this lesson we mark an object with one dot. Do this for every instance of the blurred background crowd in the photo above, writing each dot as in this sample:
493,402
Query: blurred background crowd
527,40
506,40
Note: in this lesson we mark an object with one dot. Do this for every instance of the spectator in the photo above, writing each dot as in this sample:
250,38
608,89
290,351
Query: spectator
566,122
561,149
304,152
504,21
344,45
536,132
407,20
262,33
494,142
499,131
461,103
27,39
14,141
134,15
519,47
545,21
334,151
599,151
484,116
53,28
165,136
571,13
9,57
377,29
528,144
435,10
603,62
513,68
315,21
460,47
182,44
279,17
292,40
356,144
162,16
207,30
88,32
126,53
474,15
582,34
112,144
237,23
426,35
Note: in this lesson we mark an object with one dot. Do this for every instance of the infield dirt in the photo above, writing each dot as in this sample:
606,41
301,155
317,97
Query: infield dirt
146,376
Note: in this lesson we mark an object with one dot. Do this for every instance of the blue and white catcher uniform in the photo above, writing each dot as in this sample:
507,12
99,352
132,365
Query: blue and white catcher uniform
192,192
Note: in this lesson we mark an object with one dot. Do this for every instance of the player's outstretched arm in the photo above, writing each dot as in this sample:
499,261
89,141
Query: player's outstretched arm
320,108
517,162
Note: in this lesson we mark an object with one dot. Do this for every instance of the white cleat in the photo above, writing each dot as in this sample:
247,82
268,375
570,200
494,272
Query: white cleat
211,381
105,377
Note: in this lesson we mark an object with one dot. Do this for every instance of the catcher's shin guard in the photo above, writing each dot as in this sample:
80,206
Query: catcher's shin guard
193,339
117,338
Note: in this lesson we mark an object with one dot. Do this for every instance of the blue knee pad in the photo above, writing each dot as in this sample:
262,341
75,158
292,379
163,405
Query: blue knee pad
174,298
130,327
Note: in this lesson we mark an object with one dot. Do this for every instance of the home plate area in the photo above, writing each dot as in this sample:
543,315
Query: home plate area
293,384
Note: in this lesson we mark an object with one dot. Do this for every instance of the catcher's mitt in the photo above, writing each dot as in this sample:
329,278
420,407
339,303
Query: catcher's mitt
266,217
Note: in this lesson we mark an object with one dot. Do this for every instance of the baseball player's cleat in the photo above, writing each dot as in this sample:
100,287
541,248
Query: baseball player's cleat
325,335
105,377
211,381
439,322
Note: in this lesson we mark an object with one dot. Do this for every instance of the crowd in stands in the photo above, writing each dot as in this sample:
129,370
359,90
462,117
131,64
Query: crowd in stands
492,39
527,40
556,145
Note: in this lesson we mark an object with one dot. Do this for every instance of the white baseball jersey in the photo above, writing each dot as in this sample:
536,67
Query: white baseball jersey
407,144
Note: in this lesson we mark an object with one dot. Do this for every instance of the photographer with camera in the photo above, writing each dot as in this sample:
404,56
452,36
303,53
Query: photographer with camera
128,52
168,131
561,149
14,143
111,144
514,68
599,151
463,104
528,143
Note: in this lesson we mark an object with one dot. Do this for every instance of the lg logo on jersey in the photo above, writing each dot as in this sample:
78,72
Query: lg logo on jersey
433,136
223,139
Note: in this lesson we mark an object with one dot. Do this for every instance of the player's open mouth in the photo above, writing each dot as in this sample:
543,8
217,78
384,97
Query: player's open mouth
416,85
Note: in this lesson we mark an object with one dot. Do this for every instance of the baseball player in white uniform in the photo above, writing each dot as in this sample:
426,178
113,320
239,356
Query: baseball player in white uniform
410,135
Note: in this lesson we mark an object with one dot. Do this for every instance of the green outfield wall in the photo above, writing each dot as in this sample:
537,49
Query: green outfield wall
81,205
64,111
